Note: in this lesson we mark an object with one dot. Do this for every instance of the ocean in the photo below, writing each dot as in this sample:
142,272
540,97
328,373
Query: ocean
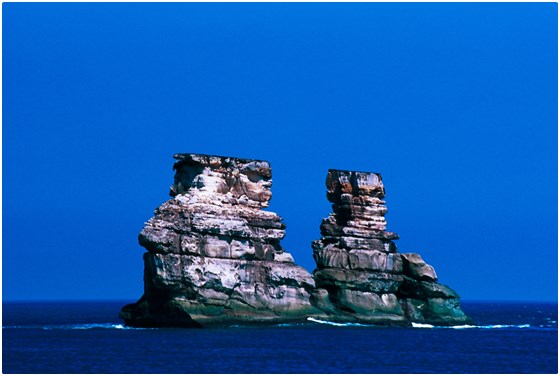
88,337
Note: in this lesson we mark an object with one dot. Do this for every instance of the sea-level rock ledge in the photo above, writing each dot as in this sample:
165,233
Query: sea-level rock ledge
214,256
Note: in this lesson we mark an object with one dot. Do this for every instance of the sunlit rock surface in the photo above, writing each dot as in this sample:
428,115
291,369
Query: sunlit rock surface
360,276
214,256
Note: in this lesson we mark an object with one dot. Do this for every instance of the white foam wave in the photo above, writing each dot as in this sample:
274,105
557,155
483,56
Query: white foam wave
428,326
464,326
335,323
506,326
112,326
418,325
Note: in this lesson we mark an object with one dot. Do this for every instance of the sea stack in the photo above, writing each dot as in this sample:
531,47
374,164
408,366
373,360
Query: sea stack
214,256
360,275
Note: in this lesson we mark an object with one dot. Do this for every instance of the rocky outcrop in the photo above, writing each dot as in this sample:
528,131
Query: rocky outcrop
214,256
360,276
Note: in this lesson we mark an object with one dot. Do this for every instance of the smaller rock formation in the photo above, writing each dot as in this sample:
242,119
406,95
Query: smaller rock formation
214,257
360,276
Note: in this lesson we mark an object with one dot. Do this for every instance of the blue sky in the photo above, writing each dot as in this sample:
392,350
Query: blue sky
454,104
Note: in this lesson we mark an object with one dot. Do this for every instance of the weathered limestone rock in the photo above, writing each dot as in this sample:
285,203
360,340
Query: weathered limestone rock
214,257
360,276
416,268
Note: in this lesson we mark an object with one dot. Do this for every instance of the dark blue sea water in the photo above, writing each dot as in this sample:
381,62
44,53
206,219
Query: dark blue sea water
88,337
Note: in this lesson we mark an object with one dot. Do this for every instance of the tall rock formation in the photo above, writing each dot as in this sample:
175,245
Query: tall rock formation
360,276
214,257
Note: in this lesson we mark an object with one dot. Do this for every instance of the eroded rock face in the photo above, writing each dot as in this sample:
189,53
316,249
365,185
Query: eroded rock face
360,276
214,257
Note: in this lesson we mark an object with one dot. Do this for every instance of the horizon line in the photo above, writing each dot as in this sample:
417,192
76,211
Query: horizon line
132,300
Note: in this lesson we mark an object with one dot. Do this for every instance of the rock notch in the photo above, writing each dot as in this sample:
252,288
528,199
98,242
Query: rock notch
360,276
214,256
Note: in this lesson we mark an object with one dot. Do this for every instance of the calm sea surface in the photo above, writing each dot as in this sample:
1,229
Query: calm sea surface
88,337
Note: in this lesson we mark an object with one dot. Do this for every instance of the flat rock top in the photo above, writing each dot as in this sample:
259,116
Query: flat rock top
213,159
223,164
349,172
353,182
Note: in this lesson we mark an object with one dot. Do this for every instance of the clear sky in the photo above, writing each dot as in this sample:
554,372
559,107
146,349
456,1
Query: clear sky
454,104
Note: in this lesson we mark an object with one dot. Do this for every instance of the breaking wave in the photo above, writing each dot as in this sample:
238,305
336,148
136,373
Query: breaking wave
428,326
113,326
424,326
335,323
417,325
